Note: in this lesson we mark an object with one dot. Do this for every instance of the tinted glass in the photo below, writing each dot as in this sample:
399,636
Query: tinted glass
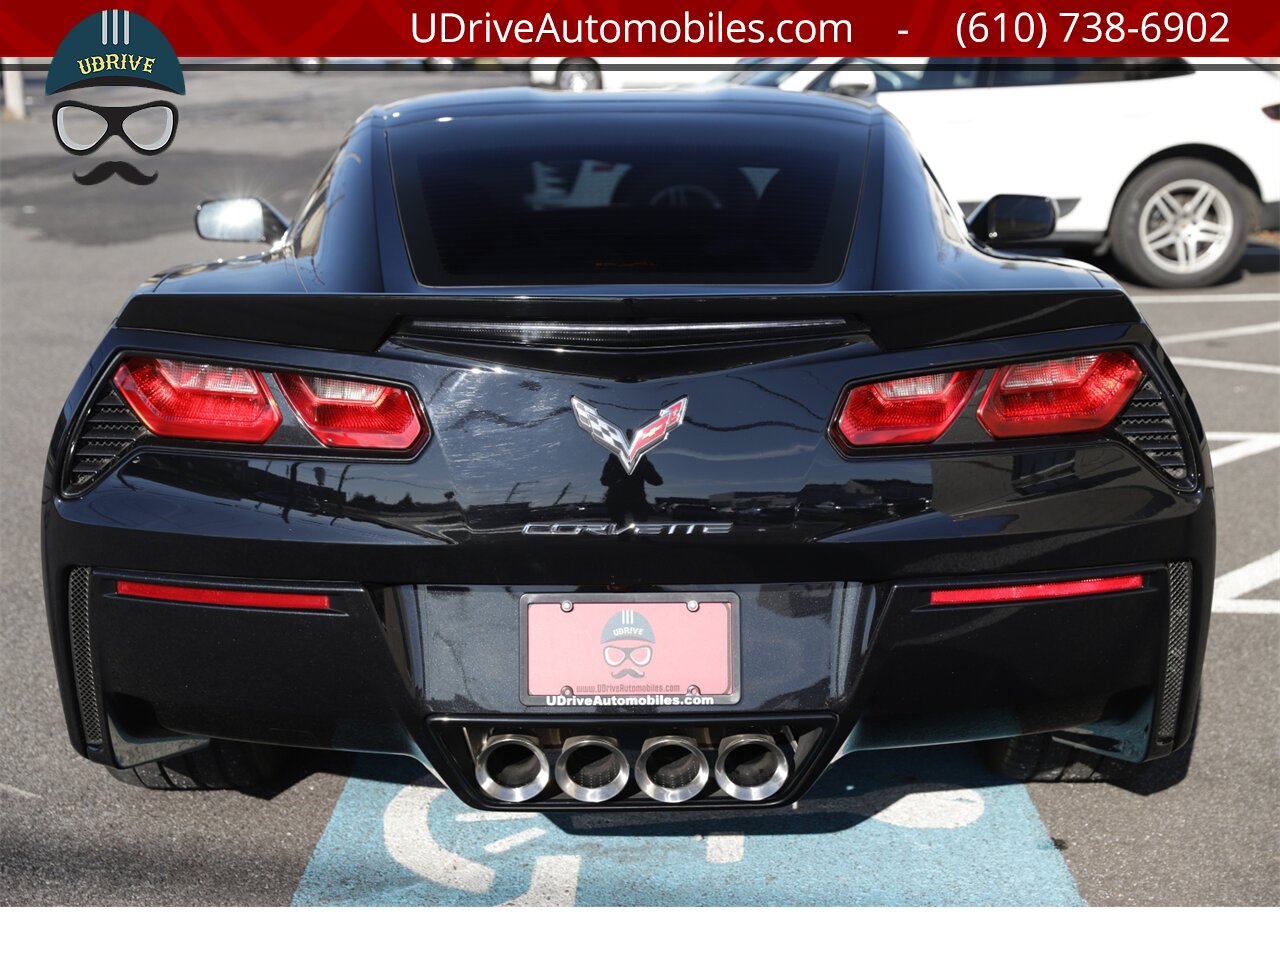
772,72
627,198
1054,70
1035,72
940,73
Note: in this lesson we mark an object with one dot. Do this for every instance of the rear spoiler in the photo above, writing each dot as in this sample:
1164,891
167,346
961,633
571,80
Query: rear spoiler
363,322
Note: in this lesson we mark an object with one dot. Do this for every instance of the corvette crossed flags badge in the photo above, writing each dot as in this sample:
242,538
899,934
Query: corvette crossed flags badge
629,449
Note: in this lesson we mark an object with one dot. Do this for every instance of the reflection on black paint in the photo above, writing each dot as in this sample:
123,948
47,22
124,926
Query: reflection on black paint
624,498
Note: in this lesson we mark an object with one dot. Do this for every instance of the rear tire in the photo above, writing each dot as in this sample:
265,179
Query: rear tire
1181,223
1038,758
222,765
1041,759
578,75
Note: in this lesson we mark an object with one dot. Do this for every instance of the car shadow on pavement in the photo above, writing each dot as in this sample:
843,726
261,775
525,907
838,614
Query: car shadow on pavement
1263,256
1260,258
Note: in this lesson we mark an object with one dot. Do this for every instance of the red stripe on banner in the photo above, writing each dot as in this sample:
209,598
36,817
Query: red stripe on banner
683,28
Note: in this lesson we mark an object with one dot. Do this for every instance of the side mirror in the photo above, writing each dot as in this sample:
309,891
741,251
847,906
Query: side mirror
1011,217
246,219
853,82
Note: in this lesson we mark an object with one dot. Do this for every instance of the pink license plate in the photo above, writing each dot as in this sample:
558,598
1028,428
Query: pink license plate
607,650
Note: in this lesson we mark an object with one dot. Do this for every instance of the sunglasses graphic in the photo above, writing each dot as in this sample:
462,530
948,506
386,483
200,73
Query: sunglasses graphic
640,656
82,128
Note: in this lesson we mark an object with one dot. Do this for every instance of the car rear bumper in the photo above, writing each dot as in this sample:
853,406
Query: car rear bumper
432,671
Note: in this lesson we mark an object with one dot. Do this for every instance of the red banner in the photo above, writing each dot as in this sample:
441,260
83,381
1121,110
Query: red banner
676,28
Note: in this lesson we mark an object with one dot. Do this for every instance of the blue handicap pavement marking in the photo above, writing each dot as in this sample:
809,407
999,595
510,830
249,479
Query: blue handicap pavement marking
924,826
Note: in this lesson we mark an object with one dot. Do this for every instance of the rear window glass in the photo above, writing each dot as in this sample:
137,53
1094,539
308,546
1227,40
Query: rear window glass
627,198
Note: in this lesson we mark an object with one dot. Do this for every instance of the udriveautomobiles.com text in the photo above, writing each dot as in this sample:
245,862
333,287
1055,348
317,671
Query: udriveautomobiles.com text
709,28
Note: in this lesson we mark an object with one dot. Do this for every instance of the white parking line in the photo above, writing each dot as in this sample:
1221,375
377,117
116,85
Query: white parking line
1229,589
17,792
1226,365
1244,445
506,843
725,847
410,844
554,884
485,816
1244,331
1210,298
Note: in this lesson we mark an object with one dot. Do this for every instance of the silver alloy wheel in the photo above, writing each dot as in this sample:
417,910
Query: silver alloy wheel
1186,226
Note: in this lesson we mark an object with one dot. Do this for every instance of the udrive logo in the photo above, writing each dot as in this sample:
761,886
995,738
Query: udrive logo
115,48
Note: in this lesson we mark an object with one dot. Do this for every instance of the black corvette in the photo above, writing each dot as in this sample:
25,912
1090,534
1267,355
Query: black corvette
627,449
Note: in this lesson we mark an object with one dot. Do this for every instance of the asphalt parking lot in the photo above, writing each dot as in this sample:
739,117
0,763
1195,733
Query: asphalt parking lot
899,827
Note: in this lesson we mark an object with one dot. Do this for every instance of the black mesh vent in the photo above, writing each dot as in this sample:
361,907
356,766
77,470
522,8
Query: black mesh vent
1150,428
1175,667
105,435
82,655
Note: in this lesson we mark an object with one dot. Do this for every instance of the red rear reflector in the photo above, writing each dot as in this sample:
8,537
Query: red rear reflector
1065,395
223,598
198,401
353,413
907,410
1035,591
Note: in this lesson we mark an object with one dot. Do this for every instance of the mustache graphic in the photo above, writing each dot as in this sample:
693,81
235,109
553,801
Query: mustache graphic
108,168
628,672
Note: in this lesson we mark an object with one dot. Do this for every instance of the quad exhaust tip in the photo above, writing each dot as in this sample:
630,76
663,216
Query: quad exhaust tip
751,766
512,768
672,769
592,769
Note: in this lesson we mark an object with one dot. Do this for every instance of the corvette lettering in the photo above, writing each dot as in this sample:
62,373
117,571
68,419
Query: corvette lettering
603,529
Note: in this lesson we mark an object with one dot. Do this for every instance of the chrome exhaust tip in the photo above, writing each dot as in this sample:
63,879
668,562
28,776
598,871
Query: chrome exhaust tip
751,766
512,768
672,769
592,769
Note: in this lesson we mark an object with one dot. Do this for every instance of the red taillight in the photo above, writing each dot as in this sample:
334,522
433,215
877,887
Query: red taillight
353,413
199,401
906,410
1035,591
223,598
1066,395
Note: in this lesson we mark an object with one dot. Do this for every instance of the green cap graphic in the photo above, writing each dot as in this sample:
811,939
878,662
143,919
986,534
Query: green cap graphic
115,47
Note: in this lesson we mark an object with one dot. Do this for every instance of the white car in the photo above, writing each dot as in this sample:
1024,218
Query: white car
1166,163
624,73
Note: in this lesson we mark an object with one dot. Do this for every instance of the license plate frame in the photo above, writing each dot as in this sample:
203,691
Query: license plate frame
674,604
